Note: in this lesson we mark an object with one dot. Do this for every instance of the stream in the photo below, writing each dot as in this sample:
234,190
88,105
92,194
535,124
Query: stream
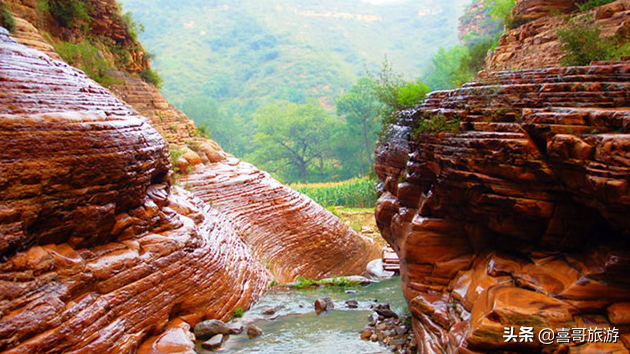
296,328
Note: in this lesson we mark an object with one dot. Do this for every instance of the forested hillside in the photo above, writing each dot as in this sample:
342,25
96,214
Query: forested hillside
221,61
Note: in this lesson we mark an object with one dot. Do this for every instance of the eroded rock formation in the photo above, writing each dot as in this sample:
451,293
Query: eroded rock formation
520,219
289,232
97,254
535,44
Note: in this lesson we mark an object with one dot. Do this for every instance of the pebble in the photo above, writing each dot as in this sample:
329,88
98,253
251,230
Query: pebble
390,331
353,304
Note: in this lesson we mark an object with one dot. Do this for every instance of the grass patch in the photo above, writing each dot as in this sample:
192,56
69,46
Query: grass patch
591,4
6,19
436,124
151,76
355,193
303,283
333,210
85,56
175,154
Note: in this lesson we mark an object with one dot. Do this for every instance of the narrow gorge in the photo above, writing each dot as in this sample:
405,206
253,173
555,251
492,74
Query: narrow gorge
520,218
100,250
122,226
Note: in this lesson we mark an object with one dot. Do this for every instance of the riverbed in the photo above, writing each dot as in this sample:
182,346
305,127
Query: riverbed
294,327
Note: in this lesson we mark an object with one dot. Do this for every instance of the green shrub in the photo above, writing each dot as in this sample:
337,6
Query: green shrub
341,282
152,77
582,42
6,19
411,94
304,283
134,27
42,5
436,124
513,23
86,57
238,312
69,13
589,4
500,9
203,131
175,154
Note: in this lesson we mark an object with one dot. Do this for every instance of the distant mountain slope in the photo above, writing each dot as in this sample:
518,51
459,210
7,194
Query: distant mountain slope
248,53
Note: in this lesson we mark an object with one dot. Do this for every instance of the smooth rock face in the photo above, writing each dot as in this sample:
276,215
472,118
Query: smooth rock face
289,232
521,218
98,253
535,44
74,157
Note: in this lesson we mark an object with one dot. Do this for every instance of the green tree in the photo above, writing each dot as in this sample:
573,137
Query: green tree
395,93
445,71
500,9
360,108
293,138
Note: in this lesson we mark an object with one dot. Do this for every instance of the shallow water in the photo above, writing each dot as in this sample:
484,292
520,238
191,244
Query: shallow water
296,328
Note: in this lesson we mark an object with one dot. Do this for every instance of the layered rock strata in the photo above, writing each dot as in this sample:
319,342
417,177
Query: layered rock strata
520,219
97,253
289,232
535,44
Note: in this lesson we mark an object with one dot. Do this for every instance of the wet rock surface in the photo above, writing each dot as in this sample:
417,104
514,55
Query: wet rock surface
394,333
97,243
99,252
210,328
519,219
293,234
253,331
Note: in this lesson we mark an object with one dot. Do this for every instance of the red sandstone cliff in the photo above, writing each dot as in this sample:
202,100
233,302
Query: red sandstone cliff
521,218
535,44
99,252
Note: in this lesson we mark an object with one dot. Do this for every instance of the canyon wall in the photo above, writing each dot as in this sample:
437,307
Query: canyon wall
535,43
97,253
520,218
100,251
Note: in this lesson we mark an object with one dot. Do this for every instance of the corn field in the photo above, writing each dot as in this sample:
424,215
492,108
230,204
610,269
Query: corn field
353,193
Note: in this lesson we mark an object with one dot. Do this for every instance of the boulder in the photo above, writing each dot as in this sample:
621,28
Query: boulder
207,329
253,331
213,343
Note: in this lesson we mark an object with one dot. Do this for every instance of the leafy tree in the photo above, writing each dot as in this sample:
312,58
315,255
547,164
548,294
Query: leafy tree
293,138
500,9
360,108
395,93
445,71
69,13
348,151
